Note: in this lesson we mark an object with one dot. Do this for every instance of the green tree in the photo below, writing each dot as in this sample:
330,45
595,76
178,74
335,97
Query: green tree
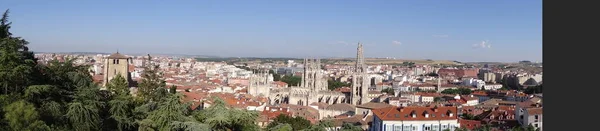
281,127
297,123
468,116
438,99
173,89
533,89
22,116
118,85
350,127
333,84
152,87
461,129
17,63
291,80
172,115
221,118
389,91
485,127
461,91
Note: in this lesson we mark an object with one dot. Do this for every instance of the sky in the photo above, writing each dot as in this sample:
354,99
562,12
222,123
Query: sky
462,30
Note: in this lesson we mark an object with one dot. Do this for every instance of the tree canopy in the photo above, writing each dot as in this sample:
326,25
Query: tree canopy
461,91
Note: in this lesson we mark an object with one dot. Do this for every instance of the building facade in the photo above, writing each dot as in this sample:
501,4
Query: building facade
415,118
360,80
116,64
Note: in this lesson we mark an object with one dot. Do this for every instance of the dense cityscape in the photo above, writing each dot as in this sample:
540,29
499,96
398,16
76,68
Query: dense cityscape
370,97
120,91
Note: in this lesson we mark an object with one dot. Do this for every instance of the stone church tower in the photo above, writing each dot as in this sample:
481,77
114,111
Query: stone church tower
260,84
313,77
116,64
360,79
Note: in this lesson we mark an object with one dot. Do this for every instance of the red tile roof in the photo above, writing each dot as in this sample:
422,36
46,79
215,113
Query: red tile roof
98,78
280,83
406,113
469,124
534,111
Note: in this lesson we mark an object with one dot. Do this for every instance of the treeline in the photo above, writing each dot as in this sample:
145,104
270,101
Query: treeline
61,96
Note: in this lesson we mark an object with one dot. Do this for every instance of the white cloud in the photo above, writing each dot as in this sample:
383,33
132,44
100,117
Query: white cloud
483,44
342,43
396,42
441,36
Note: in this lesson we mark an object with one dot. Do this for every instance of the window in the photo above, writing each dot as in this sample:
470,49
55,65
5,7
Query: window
117,61
427,128
521,117
114,61
536,116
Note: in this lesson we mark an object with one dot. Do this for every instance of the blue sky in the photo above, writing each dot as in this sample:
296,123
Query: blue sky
510,30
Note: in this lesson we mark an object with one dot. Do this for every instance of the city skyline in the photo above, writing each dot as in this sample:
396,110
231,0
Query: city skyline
498,31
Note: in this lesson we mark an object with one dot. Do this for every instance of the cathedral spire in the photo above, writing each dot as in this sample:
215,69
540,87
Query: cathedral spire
360,62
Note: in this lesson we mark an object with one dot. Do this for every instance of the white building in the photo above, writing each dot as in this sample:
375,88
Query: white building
492,86
529,113
415,119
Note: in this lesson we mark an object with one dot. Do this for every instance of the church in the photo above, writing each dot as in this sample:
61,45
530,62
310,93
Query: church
116,64
313,86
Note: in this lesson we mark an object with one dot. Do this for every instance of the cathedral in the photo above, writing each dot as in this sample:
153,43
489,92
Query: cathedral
360,79
313,86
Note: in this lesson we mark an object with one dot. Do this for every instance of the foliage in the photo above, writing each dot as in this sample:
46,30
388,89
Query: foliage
152,87
276,77
333,84
220,118
297,123
432,74
438,99
118,85
22,116
291,80
350,127
389,91
282,127
533,89
461,91
468,116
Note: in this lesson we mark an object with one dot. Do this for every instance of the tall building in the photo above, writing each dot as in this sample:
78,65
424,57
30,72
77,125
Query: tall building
360,79
116,64
312,88
260,84
312,77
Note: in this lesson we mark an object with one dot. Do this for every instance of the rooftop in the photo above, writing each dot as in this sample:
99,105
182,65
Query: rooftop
416,113
374,105
117,56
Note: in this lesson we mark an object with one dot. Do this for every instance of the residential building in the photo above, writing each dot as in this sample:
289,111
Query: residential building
415,118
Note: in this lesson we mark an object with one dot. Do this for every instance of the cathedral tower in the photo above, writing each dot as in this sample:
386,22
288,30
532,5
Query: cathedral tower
360,80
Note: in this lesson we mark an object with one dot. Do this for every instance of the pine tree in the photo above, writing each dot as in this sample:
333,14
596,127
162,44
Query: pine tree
152,87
